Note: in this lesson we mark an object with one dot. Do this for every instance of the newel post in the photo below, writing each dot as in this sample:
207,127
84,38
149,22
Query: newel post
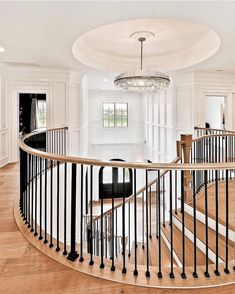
186,142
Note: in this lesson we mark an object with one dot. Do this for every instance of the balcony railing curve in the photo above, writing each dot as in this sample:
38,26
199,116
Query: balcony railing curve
173,226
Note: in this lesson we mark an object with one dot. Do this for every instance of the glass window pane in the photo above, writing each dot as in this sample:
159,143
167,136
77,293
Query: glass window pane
107,175
108,115
120,175
41,114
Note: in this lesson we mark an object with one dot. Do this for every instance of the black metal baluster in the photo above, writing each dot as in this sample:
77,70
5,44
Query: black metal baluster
112,224
163,201
51,206
32,192
21,203
150,212
58,207
147,273
36,197
142,220
40,199
101,232
226,270
157,210
116,221
81,259
195,275
176,193
159,228
123,224
135,224
26,186
207,275
106,237
29,183
45,204
216,225
91,262
65,208
129,229
183,275
73,253
171,275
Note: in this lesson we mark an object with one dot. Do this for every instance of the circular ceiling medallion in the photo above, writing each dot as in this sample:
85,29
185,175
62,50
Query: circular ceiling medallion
171,44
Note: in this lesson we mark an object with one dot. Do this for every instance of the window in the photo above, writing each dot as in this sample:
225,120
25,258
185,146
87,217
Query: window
41,114
115,115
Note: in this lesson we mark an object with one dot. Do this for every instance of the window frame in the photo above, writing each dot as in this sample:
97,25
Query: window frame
115,116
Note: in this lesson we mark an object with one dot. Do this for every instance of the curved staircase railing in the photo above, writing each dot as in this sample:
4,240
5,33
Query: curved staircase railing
178,222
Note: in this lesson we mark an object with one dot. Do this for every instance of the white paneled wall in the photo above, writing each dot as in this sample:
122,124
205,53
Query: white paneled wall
155,120
4,131
84,118
159,130
62,89
59,105
74,114
125,143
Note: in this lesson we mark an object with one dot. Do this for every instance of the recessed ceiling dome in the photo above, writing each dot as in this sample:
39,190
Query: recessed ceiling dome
177,44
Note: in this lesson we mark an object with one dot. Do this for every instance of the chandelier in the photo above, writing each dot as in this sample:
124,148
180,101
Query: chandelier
145,80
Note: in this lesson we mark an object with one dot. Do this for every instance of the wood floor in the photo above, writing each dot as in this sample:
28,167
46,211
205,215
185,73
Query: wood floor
24,269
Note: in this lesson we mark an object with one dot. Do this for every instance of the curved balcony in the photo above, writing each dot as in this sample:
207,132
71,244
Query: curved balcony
176,230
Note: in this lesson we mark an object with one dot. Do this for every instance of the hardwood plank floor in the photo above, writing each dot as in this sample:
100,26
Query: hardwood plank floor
24,269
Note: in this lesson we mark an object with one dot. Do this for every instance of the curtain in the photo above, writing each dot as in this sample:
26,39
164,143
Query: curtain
33,115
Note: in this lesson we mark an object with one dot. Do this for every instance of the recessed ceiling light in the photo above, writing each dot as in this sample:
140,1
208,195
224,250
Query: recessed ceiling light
1,49
105,80
102,89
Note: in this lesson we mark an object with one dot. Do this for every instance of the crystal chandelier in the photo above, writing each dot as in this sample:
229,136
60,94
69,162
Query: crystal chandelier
145,80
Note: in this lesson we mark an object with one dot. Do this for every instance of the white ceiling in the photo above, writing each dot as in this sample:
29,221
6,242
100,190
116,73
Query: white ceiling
42,33
174,44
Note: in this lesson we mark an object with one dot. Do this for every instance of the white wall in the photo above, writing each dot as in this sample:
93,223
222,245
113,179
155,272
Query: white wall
106,143
159,129
62,89
4,128
84,118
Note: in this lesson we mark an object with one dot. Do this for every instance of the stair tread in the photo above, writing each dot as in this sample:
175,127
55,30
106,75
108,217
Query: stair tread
200,203
201,234
189,246
153,253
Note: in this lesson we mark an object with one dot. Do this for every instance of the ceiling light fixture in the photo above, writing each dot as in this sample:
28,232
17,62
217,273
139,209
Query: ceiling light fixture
145,80
2,49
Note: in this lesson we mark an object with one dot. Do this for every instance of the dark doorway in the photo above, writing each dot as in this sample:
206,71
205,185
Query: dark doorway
32,112
115,182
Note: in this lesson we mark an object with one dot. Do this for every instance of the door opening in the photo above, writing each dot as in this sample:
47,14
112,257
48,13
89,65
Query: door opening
215,112
32,112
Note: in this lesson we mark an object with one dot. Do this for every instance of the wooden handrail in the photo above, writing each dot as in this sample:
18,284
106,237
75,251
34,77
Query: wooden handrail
213,135
210,129
135,165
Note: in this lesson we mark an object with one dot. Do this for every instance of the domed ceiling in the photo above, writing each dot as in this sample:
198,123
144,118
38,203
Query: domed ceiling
176,44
